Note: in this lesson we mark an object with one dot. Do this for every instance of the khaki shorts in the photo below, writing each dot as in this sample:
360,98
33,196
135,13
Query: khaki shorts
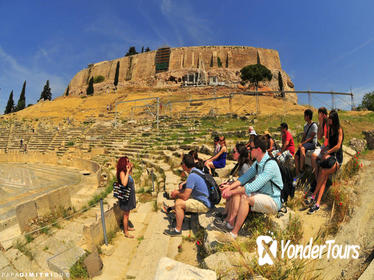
318,150
195,206
264,204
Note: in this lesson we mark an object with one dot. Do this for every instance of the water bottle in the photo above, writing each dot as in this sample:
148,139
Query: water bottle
294,183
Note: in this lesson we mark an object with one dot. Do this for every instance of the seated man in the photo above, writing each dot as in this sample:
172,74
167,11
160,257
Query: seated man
263,193
309,142
288,146
193,198
320,151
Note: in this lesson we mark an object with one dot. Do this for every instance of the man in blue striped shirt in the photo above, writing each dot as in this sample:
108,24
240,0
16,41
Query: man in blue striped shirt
260,195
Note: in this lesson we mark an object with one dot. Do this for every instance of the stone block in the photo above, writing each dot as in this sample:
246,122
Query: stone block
368,273
62,262
171,269
59,199
359,145
94,232
107,250
93,264
3,261
25,213
369,137
215,239
42,206
282,222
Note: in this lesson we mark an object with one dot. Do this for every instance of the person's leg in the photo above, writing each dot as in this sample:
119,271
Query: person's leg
245,203
302,158
180,207
209,164
325,173
126,224
297,164
314,164
235,202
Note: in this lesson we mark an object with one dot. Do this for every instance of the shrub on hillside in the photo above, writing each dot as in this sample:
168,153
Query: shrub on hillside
98,79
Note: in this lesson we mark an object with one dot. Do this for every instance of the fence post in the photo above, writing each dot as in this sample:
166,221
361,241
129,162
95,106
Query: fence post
103,221
309,98
332,101
230,103
153,181
157,111
257,103
352,103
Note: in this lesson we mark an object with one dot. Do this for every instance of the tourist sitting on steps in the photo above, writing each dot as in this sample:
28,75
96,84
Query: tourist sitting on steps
271,143
193,198
330,161
260,195
227,218
252,134
288,146
319,151
308,142
124,172
219,159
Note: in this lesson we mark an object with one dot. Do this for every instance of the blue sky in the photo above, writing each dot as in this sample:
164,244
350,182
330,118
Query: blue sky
323,45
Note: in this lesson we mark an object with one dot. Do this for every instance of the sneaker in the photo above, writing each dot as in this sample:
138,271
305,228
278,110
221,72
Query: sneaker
220,215
309,201
220,224
172,232
313,209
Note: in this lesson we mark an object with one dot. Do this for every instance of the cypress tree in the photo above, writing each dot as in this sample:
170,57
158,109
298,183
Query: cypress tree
10,106
131,51
147,49
67,92
22,99
90,88
46,93
116,75
142,49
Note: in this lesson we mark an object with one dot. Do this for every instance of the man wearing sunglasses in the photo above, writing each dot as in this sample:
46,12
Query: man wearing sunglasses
261,194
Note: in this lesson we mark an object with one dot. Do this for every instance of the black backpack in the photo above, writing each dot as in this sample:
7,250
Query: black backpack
287,179
213,188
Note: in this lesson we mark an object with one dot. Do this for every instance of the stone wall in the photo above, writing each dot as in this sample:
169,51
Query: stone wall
139,70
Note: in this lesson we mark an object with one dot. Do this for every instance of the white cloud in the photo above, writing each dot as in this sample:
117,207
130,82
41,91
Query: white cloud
13,74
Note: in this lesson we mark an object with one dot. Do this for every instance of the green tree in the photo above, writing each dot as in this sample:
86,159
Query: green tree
46,93
142,49
219,63
116,75
90,88
147,49
368,101
67,91
22,99
255,73
10,105
131,51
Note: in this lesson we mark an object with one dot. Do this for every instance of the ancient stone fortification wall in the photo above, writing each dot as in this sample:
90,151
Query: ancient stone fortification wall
139,70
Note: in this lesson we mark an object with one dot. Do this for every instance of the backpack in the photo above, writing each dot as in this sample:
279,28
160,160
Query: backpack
287,179
213,188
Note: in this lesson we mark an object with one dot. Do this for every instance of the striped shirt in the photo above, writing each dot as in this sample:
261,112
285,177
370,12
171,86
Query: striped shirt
262,184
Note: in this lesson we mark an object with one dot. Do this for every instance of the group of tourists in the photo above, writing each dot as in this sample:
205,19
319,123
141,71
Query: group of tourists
260,182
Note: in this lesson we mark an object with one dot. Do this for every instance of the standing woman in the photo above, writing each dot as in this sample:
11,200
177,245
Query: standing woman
330,162
124,170
219,159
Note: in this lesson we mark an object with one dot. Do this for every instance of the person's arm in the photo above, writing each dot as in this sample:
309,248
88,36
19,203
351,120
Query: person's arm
261,179
320,129
223,149
338,145
182,195
271,144
124,178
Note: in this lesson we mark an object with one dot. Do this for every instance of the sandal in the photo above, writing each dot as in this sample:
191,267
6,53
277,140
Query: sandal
128,235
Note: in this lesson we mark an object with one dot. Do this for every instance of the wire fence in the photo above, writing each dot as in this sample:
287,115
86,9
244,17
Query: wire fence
250,102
